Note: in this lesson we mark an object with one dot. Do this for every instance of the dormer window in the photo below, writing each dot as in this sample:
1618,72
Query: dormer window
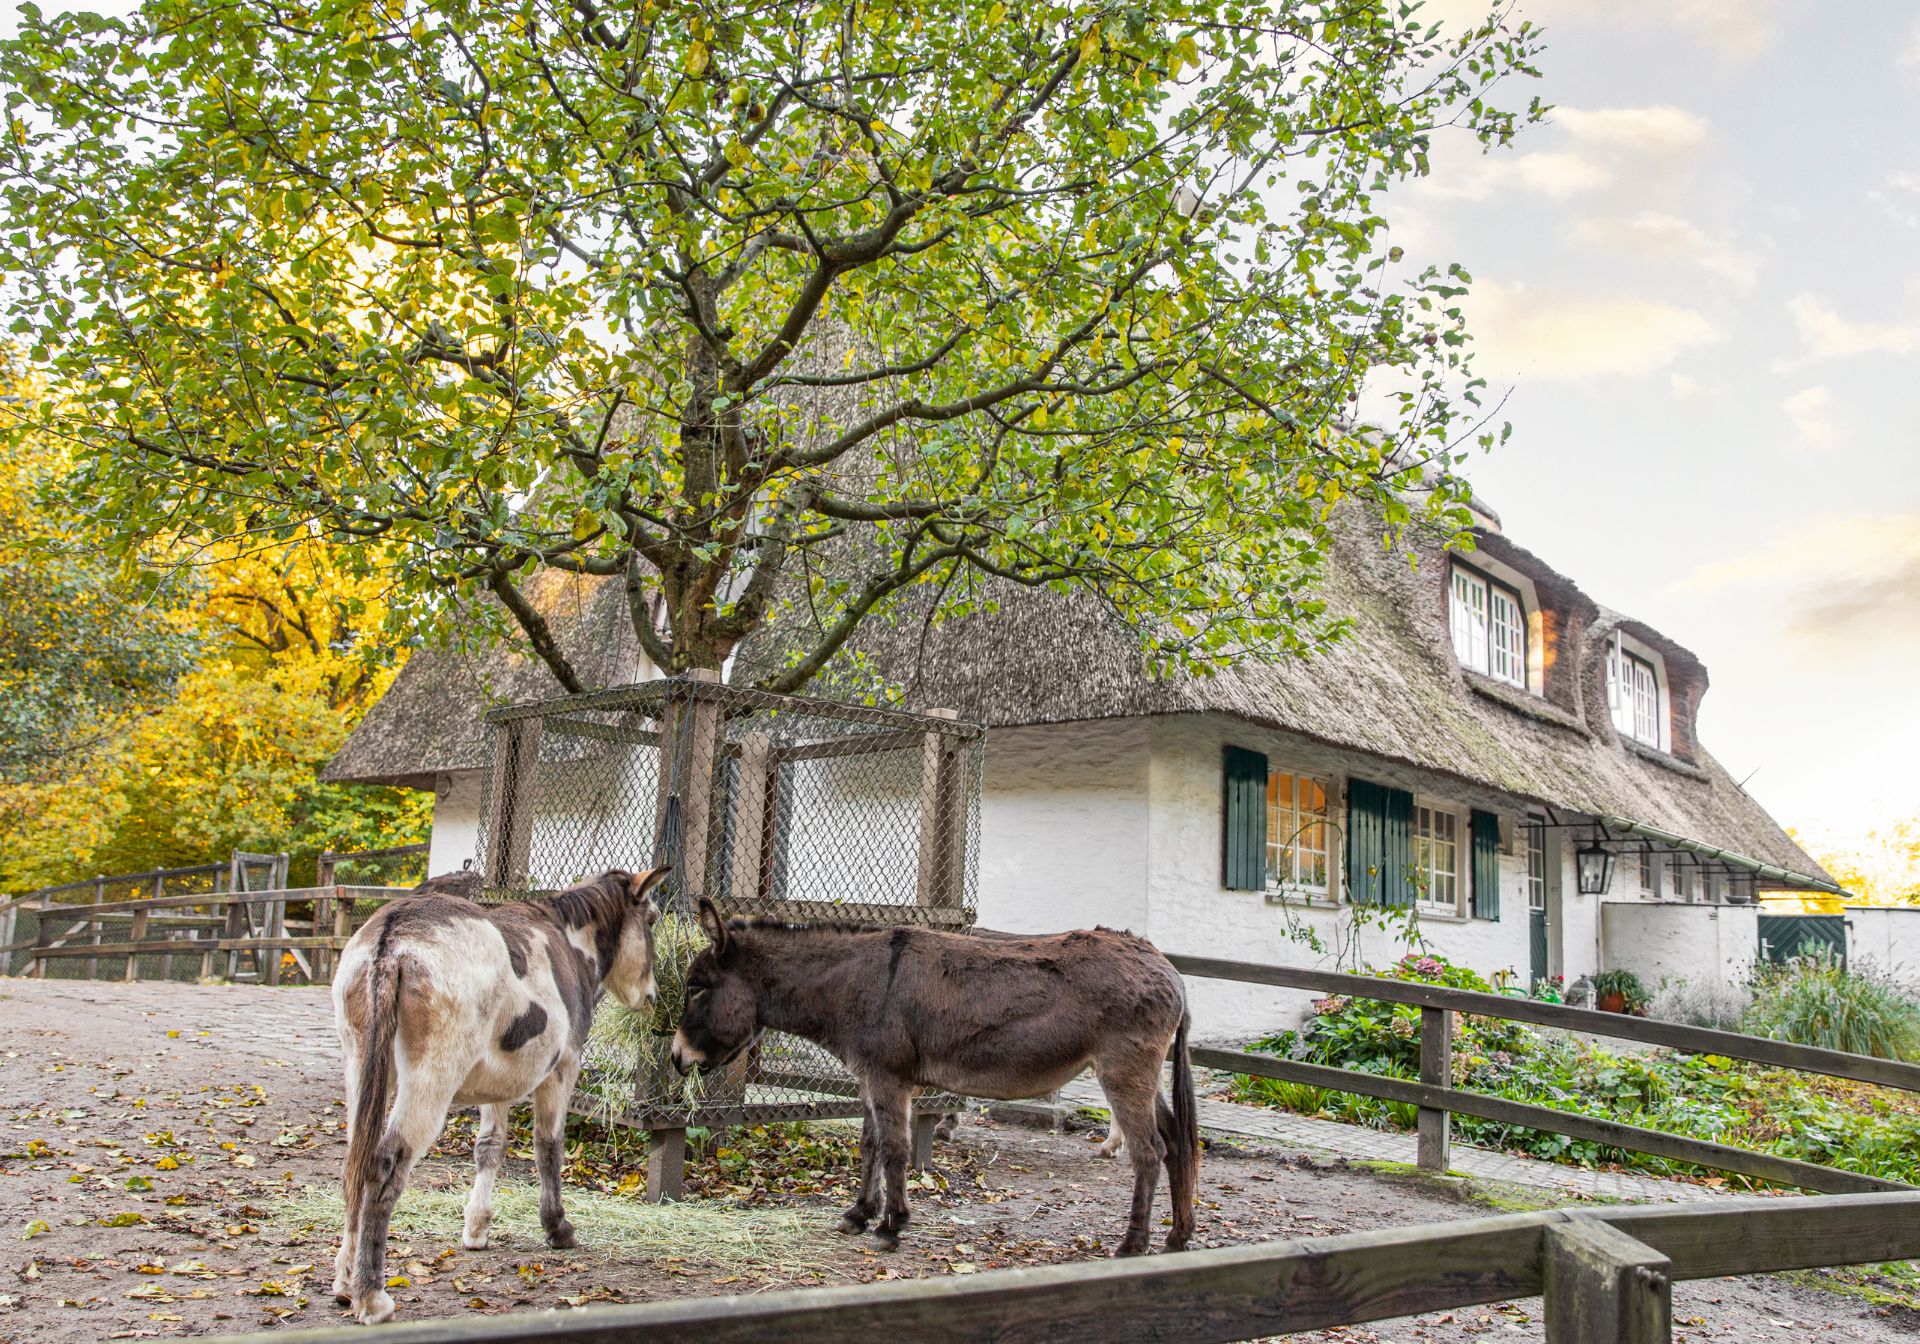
1489,626
1633,694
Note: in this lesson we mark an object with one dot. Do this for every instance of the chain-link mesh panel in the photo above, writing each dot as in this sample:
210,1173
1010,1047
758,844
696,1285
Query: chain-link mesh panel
771,805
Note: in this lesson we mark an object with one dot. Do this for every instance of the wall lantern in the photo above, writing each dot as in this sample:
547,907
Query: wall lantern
1593,865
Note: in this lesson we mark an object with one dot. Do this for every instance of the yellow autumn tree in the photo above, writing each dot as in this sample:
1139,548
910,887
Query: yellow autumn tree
291,660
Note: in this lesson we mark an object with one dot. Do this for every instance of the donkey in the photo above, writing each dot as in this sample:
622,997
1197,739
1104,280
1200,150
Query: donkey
1007,1017
441,1002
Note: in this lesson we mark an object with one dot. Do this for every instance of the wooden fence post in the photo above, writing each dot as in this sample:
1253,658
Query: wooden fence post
748,870
137,934
1436,1068
166,959
924,1123
275,931
666,1165
943,814
511,799
42,938
1604,1287
99,901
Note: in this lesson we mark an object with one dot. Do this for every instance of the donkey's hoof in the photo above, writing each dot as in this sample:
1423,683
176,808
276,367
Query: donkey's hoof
375,1309
342,1293
885,1240
1131,1247
1175,1243
852,1226
560,1236
476,1241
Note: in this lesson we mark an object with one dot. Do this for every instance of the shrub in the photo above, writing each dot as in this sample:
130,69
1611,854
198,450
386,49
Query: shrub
1702,1003
1815,1000
1813,1119
1624,983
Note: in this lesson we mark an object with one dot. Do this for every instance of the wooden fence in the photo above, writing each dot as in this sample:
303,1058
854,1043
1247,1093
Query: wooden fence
1606,1275
288,935
1437,1098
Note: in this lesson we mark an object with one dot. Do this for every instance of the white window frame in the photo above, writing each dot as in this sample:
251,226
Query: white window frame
1636,695
1488,620
1286,831
1536,864
1680,881
1649,880
1423,834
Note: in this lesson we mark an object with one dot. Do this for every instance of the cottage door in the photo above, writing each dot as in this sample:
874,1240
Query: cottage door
1537,951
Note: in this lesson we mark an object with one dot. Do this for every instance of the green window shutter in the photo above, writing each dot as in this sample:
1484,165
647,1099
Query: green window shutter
1379,844
1486,865
1244,789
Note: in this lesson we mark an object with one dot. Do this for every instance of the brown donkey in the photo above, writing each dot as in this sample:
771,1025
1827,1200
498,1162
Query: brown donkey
1002,1017
440,1002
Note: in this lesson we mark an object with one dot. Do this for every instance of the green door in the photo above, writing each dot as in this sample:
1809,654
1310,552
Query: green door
1538,959
1784,937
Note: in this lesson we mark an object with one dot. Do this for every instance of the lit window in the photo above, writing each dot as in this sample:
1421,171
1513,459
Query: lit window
1296,831
1633,693
1489,627
1436,858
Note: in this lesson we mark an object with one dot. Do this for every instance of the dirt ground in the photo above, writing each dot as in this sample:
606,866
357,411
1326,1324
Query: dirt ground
168,1159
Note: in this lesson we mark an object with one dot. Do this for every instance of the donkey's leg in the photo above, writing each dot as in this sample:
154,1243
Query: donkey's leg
349,1183
1181,1180
549,1149
859,1213
489,1146
419,1114
892,1123
1131,1093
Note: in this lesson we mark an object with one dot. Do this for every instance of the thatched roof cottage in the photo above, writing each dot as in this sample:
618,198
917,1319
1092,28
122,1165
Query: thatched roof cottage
1484,740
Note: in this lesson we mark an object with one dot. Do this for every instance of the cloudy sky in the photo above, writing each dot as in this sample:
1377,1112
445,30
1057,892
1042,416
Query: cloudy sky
1701,283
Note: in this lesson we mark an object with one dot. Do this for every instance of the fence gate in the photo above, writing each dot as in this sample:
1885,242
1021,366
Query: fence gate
1784,937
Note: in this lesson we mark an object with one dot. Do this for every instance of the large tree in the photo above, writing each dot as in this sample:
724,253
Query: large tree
749,304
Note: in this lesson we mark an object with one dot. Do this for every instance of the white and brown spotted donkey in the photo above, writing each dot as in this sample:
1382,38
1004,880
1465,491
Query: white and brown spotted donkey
441,1002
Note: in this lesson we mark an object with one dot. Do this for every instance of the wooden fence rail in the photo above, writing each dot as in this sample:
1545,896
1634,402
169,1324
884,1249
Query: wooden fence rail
1606,1275
1437,1098
222,930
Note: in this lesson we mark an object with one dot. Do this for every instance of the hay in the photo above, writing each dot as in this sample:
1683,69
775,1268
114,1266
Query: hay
773,1241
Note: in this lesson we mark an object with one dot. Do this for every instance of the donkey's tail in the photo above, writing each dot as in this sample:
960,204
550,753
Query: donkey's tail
1180,1132
376,1072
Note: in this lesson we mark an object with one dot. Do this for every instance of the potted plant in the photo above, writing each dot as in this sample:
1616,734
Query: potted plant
1620,991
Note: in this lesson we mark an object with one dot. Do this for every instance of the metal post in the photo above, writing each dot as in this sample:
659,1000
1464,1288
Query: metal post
1436,1068
510,804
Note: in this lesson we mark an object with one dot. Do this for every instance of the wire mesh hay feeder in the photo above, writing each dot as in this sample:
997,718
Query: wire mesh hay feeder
778,806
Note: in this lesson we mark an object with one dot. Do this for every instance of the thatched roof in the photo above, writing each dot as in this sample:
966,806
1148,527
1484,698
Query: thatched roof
1391,688
429,719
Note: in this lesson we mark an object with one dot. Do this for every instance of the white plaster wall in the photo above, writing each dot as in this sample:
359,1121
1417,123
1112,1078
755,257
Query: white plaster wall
1889,938
1063,828
456,822
1698,943
1192,912
1579,932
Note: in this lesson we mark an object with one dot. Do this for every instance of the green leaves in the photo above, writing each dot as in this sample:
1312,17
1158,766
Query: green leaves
1060,294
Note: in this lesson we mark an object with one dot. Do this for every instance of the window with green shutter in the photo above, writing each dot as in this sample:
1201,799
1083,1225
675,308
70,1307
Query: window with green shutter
1244,794
1379,852
1486,865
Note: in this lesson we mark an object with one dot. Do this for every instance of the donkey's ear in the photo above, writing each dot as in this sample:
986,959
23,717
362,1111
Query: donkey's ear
713,925
642,885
